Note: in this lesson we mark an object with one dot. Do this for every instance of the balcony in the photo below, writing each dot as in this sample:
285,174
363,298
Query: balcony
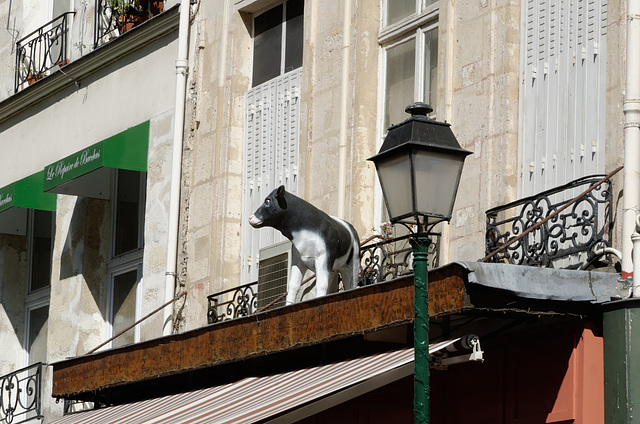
115,17
42,51
572,238
380,261
21,395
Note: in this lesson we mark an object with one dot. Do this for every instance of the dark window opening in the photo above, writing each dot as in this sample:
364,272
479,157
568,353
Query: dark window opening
129,202
274,54
42,239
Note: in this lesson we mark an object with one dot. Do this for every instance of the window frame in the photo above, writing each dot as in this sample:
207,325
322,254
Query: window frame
29,308
415,26
38,298
127,261
34,295
113,273
283,39
118,259
418,34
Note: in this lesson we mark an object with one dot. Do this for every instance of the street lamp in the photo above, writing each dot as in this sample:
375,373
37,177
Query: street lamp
419,167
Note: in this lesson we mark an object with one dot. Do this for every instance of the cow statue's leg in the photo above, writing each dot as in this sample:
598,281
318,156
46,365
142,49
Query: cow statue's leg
323,274
350,272
334,282
298,269
355,265
347,276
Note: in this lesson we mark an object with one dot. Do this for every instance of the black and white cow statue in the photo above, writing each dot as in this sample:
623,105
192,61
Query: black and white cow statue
324,244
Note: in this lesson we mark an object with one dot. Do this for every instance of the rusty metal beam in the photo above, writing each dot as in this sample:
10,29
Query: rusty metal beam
321,320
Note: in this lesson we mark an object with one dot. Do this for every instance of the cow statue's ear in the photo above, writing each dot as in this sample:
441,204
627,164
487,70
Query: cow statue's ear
280,197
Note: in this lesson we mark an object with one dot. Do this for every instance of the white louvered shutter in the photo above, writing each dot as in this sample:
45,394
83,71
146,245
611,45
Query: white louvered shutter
272,127
562,97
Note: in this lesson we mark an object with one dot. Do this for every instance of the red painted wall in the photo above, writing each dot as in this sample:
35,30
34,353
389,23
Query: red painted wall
547,375
552,374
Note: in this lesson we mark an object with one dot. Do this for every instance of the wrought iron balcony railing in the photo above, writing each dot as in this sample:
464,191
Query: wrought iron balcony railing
115,17
380,261
42,50
21,395
237,302
564,241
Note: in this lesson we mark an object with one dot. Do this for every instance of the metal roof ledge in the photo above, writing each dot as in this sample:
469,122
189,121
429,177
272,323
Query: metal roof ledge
548,283
458,288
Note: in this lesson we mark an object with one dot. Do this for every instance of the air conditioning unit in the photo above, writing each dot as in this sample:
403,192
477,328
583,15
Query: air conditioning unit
274,263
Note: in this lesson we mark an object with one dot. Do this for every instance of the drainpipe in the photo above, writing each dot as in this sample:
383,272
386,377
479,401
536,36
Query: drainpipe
344,112
631,109
182,65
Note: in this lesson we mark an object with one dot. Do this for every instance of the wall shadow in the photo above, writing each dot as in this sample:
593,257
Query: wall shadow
86,247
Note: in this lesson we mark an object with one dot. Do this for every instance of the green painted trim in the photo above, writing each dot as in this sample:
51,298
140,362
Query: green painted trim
7,196
27,193
129,149
421,395
621,339
126,150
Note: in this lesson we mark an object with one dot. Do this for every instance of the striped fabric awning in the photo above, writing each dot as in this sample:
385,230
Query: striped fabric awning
286,397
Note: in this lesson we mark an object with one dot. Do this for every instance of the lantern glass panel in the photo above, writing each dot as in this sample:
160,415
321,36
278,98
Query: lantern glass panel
395,179
436,178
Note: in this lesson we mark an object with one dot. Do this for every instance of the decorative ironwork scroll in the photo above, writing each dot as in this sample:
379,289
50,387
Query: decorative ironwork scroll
585,226
392,258
42,50
21,395
115,17
233,303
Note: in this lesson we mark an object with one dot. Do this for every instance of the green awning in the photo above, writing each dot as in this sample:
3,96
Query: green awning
87,172
19,196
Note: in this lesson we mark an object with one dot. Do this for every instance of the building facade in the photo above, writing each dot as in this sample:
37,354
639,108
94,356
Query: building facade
137,138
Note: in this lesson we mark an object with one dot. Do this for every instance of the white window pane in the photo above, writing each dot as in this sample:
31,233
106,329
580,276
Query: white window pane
431,68
38,319
124,306
428,3
400,82
399,9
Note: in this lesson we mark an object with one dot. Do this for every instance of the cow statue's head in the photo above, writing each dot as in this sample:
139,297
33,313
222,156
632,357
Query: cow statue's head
272,210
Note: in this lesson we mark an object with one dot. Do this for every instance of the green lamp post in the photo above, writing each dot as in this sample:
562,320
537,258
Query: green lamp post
419,167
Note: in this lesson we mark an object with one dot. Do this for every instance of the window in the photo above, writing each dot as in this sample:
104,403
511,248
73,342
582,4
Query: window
129,212
272,121
124,310
37,325
409,40
40,249
397,10
277,41
409,61
125,267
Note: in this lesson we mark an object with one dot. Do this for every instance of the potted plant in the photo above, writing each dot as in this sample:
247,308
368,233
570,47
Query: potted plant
32,78
128,13
156,7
